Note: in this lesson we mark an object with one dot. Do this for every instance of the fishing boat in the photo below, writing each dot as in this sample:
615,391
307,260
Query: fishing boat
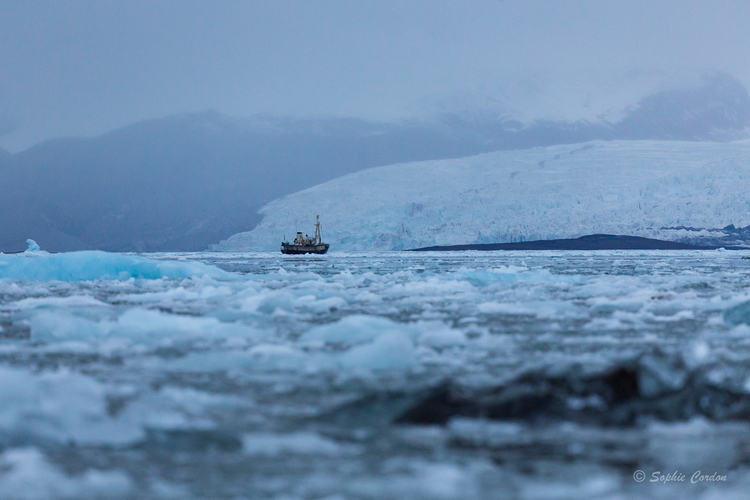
304,245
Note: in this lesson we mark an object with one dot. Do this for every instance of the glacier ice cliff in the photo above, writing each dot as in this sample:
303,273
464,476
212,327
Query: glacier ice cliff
695,192
183,182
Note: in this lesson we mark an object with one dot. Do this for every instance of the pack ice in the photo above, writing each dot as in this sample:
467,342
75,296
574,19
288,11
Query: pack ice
681,191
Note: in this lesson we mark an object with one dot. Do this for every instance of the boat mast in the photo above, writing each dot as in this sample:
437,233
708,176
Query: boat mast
317,229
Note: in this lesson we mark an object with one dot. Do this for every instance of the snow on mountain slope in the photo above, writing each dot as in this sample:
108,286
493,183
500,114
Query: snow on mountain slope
639,188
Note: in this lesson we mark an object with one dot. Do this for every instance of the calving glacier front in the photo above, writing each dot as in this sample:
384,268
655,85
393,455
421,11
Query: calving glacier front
682,191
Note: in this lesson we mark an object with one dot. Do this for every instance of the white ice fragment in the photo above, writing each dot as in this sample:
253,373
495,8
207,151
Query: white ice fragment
55,302
740,331
700,350
262,357
33,247
594,485
135,324
504,308
437,334
354,330
678,316
60,406
420,479
715,320
26,474
277,357
297,443
696,426
389,351
325,305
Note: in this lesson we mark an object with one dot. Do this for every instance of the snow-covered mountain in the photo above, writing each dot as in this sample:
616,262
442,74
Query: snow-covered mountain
681,191
187,181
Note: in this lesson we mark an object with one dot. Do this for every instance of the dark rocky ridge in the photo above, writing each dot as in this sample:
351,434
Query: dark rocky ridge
589,242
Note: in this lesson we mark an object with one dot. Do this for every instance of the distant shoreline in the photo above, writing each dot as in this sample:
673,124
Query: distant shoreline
588,242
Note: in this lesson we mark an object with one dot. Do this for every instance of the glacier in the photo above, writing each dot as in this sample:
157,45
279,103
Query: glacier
695,192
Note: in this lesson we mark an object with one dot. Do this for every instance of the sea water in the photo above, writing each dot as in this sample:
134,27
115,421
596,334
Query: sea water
606,374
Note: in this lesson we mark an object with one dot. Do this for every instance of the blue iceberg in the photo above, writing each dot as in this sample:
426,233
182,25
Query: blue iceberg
37,265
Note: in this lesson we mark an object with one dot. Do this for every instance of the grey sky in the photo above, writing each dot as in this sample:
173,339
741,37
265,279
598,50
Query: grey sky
85,67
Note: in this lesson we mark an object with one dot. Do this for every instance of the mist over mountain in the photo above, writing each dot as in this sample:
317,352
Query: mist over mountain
185,182
716,110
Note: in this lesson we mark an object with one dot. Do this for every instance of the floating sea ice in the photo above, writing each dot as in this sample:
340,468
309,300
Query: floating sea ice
423,479
25,474
373,343
263,357
60,406
298,443
503,274
505,308
698,352
389,351
74,301
37,265
593,483
134,324
738,314
33,246
320,306
437,334
739,332
357,329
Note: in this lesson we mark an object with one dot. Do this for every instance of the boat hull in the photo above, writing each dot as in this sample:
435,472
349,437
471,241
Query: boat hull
290,249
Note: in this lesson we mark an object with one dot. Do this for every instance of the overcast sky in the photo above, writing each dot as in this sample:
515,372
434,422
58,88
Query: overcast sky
71,68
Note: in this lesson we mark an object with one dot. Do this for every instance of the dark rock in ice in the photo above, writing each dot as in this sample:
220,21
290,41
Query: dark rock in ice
652,387
439,407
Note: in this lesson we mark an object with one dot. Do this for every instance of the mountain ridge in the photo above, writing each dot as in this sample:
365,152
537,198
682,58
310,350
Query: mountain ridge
188,181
